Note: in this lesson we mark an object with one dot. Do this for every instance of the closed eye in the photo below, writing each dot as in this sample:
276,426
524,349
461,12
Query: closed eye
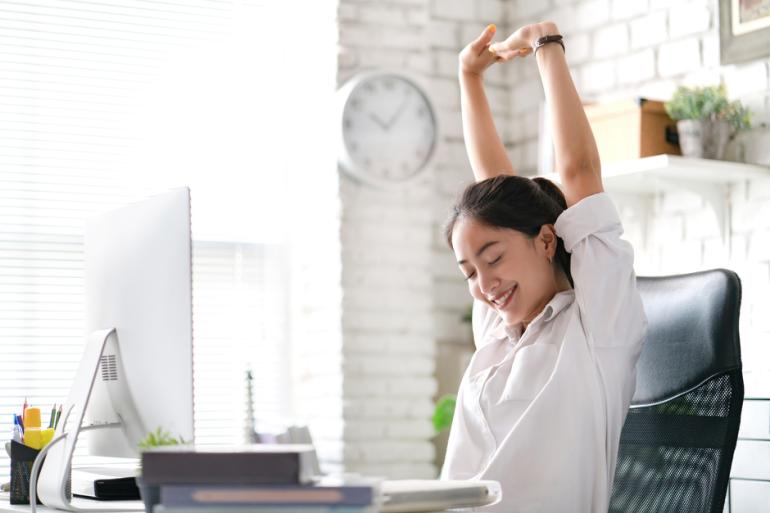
496,260
470,276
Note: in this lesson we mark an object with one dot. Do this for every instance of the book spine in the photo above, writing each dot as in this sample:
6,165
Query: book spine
182,495
160,468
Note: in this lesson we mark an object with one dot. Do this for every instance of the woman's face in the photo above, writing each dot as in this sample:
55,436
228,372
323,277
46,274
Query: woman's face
506,269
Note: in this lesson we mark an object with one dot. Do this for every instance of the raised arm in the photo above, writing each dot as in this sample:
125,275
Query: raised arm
576,156
482,142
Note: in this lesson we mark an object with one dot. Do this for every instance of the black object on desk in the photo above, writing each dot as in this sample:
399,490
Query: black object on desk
22,459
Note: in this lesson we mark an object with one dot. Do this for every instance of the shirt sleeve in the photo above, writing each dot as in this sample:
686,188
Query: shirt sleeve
602,266
486,323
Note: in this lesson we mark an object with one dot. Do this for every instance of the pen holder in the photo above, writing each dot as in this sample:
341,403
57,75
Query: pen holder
22,459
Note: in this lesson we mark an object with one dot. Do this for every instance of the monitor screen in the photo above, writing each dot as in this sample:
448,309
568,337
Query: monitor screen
139,281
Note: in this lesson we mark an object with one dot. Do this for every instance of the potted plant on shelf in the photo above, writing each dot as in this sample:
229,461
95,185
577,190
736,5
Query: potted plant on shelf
706,120
151,494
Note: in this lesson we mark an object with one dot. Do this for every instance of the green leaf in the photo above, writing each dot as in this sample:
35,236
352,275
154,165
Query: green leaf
445,410
158,438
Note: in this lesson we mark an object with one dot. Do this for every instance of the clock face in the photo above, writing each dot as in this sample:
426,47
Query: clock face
388,129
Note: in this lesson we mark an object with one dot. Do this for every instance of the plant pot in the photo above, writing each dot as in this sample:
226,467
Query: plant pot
150,494
703,138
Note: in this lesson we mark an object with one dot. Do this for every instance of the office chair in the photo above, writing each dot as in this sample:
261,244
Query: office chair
677,443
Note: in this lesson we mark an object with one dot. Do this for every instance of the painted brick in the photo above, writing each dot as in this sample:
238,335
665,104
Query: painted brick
679,57
526,9
452,9
566,21
445,92
746,79
419,16
681,258
579,48
701,78
688,18
379,37
592,13
492,10
678,201
711,50
443,34
526,96
649,30
382,14
610,41
597,76
657,89
667,230
636,67
364,343
701,224
624,9
450,123
378,366
716,253
759,246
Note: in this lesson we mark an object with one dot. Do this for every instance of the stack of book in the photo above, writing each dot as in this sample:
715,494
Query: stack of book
262,478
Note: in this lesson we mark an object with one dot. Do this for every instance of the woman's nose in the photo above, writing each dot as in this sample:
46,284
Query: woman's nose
487,284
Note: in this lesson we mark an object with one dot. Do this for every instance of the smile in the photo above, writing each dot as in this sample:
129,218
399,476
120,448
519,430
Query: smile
503,300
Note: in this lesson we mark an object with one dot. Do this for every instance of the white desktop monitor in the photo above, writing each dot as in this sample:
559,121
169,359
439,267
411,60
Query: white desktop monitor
139,280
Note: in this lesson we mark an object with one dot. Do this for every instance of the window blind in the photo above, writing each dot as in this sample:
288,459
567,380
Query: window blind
103,103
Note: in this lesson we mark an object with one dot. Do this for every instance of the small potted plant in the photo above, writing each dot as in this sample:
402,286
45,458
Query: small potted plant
706,120
150,494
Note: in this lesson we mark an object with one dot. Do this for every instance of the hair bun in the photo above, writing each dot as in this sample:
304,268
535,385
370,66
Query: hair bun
551,190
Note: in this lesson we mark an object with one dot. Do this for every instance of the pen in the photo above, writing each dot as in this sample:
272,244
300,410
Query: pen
53,416
23,412
16,436
58,414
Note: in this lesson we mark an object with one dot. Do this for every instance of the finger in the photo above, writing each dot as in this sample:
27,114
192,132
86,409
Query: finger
510,54
484,39
512,42
518,53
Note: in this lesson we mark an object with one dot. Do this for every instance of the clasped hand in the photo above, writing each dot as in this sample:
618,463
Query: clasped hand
481,53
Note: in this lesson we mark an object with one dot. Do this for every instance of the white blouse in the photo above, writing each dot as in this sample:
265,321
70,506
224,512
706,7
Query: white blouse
541,411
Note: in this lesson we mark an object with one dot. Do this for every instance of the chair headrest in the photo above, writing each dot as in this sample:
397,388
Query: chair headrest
692,332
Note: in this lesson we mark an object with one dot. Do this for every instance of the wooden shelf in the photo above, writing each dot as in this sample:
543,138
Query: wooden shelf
710,179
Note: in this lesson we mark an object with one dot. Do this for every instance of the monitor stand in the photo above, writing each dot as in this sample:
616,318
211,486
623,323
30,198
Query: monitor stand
54,477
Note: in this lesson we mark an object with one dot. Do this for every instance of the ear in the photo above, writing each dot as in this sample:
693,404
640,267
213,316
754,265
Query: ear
547,241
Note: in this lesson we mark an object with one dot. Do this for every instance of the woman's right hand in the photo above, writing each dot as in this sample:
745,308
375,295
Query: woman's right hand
476,57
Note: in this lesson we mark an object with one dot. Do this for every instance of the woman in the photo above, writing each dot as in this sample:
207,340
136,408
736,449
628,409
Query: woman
557,319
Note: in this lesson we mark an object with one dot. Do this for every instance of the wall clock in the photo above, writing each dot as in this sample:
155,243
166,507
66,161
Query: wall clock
389,129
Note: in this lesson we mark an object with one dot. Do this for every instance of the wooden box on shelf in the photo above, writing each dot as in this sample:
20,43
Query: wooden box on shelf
632,129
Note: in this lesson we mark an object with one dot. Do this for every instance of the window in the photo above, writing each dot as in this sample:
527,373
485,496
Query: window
103,103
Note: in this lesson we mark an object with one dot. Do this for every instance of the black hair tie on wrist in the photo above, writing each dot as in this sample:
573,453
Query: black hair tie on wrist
554,38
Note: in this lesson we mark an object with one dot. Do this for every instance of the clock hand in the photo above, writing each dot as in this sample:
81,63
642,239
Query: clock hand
379,122
399,111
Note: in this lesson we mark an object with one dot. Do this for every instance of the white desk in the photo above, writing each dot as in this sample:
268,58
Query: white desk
106,507
98,506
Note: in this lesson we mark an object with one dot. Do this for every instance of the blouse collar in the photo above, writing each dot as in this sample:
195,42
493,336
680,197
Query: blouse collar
559,302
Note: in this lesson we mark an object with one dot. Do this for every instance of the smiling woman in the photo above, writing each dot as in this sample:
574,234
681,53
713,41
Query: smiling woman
557,320
529,243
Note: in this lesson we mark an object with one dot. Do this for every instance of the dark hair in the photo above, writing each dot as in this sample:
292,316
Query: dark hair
515,202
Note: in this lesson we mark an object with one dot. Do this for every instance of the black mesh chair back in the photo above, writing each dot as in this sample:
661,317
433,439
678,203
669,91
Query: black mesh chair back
677,443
